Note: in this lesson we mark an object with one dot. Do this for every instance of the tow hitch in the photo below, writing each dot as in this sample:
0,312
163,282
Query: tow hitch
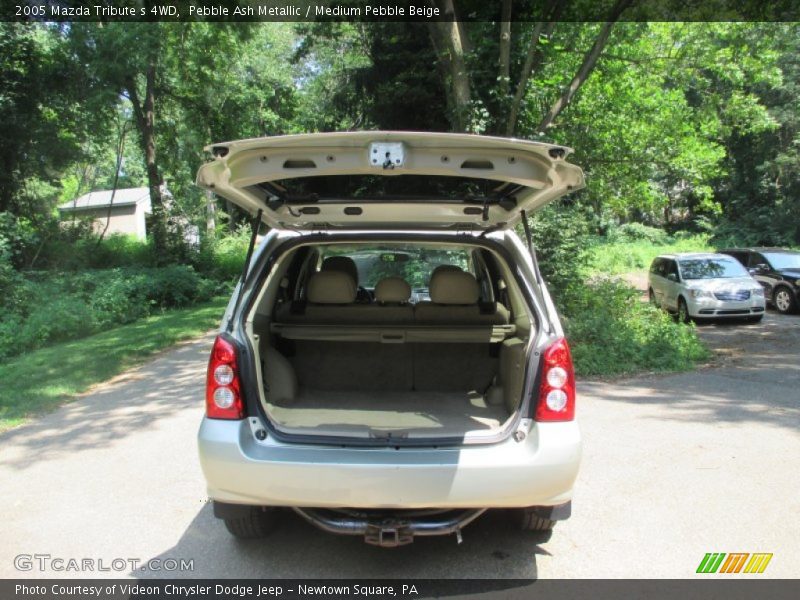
390,529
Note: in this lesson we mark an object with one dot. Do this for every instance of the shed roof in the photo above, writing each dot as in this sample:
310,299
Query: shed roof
102,198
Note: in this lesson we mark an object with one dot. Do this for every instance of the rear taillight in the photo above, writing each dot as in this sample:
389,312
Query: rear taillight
223,395
557,388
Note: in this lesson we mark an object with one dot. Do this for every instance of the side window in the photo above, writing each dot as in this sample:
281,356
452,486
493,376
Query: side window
658,267
672,268
740,256
757,259
754,259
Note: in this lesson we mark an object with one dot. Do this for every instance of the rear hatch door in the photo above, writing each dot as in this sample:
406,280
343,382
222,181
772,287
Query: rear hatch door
389,180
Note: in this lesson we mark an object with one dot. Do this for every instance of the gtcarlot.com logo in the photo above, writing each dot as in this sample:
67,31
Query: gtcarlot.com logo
47,562
735,562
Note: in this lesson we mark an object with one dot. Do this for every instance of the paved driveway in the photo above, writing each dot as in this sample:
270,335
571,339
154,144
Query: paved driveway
674,467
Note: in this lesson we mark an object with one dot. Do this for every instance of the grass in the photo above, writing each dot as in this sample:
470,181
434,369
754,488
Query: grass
39,381
625,257
613,332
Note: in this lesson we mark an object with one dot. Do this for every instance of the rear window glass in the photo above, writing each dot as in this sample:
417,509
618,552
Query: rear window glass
412,263
379,187
712,268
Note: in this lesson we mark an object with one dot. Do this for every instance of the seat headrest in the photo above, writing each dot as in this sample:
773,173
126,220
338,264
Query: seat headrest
453,287
331,287
343,264
392,290
441,268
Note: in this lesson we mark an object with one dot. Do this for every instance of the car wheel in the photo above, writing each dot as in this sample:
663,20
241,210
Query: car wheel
783,299
257,523
651,296
683,311
529,520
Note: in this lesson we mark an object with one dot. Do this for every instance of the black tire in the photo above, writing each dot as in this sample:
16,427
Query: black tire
651,296
783,300
754,319
258,523
529,520
683,311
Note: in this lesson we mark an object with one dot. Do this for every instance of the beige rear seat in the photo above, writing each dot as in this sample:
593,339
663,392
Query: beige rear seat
331,296
330,300
454,301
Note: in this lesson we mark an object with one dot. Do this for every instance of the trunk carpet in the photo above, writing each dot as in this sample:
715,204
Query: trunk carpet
446,413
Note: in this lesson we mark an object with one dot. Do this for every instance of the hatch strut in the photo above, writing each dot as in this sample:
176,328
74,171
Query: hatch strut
246,268
528,238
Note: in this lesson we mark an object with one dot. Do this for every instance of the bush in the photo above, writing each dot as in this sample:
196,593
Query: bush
561,235
611,331
637,232
624,257
67,306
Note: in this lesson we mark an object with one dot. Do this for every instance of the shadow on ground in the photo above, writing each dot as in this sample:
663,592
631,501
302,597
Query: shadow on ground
755,377
137,401
492,548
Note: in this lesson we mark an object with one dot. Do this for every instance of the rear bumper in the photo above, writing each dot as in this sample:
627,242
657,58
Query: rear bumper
538,471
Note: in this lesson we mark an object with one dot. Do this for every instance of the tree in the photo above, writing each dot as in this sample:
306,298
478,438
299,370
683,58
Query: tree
44,122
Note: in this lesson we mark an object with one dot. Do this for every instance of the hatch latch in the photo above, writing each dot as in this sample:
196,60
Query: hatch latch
387,155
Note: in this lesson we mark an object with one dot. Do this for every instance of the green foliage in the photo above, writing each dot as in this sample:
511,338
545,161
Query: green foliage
612,332
618,257
561,237
222,258
42,379
56,307
637,232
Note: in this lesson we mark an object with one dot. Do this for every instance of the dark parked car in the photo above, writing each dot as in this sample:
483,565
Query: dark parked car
777,269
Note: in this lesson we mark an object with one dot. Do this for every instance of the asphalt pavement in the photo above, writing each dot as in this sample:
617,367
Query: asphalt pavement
674,466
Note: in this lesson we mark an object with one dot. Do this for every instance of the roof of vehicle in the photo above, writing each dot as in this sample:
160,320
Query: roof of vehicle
773,250
692,255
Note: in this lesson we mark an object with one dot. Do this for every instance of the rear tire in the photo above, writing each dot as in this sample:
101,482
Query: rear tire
529,520
257,523
784,301
651,297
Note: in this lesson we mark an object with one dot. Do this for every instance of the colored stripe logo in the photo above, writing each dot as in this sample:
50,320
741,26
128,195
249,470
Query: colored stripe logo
735,562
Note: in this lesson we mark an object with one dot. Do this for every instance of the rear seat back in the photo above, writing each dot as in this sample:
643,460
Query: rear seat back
330,297
454,301
391,304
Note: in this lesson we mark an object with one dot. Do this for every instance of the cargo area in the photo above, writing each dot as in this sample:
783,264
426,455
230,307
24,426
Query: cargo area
449,365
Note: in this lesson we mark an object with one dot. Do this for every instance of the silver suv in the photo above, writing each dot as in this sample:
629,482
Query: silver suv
391,364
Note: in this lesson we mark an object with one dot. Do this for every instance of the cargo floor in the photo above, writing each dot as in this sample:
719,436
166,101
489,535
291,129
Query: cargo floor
434,413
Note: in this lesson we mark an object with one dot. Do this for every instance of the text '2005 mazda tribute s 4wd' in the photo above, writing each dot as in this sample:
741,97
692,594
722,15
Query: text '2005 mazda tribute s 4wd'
391,364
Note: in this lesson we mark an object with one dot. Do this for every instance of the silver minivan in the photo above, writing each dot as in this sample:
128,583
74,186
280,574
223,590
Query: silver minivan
705,285
391,364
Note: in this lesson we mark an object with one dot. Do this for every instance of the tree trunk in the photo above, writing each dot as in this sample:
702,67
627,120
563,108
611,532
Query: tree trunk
533,60
504,59
451,45
118,165
145,120
586,68
211,214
